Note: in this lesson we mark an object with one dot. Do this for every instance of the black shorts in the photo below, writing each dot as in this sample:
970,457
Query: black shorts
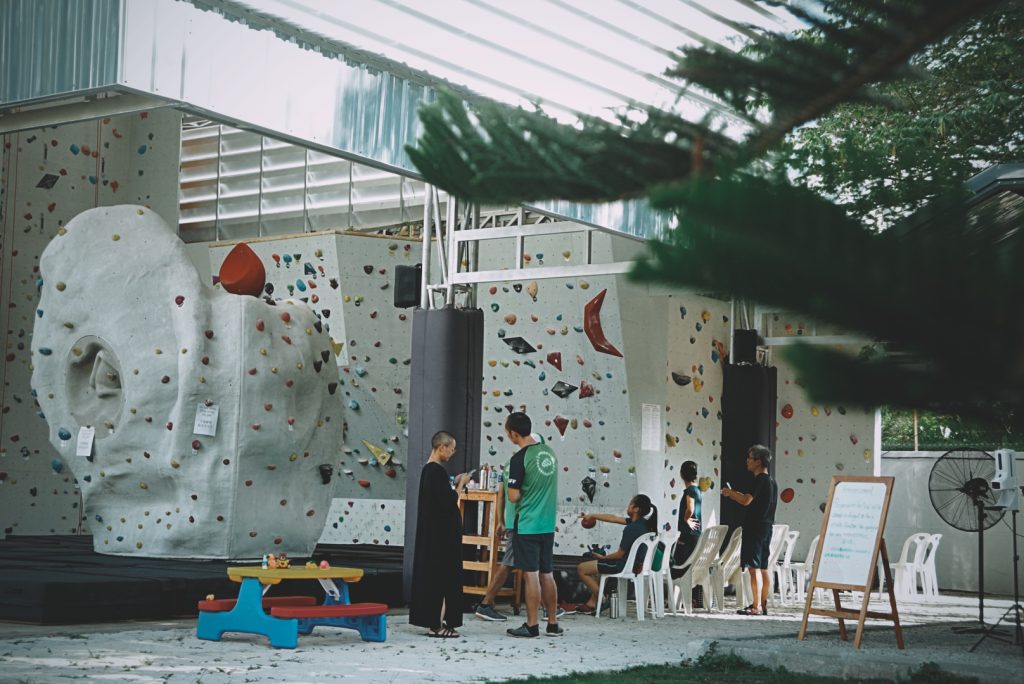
533,552
610,567
755,548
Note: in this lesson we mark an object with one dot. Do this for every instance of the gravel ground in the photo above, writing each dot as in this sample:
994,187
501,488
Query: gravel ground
144,652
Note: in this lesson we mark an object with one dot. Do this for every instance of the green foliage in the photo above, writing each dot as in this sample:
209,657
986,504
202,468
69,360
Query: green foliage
942,287
943,432
881,163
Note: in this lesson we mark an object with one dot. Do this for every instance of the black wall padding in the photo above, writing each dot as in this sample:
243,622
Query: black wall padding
444,394
749,399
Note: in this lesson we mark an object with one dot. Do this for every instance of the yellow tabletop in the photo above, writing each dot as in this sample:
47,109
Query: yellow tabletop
274,576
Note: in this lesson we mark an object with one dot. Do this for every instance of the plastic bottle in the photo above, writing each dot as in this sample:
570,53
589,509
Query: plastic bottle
492,480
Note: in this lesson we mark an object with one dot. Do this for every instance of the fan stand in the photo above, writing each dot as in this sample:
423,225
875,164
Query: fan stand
1016,608
979,504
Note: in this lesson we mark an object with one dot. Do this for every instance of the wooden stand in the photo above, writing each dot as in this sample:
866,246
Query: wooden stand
847,556
487,543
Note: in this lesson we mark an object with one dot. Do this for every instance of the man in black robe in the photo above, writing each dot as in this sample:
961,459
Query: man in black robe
436,601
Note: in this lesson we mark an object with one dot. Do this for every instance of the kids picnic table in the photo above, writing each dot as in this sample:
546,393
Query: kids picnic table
283,618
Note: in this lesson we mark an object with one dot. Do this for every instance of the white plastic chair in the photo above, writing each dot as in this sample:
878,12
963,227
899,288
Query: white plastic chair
802,570
661,577
905,569
781,575
698,571
779,533
647,541
727,571
926,570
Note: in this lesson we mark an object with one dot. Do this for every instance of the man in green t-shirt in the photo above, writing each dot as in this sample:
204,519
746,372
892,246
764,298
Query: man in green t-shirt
532,486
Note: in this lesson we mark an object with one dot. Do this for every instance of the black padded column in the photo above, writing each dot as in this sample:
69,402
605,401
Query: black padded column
444,394
749,398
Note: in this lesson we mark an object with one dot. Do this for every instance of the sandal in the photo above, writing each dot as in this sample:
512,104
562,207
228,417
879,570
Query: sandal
443,633
749,610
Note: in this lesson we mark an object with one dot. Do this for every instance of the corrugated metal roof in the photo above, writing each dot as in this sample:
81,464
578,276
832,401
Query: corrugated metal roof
568,56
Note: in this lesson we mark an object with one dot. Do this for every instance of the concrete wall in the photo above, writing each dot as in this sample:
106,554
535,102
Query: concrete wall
956,564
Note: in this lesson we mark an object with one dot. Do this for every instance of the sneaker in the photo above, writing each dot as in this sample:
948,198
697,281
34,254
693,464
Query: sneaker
567,609
554,630
584,609
488,612
525,631
558,613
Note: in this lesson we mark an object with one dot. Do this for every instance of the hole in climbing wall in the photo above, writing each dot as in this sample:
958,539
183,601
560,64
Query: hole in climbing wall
93,378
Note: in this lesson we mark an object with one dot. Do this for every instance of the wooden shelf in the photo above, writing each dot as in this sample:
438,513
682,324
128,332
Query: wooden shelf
487,542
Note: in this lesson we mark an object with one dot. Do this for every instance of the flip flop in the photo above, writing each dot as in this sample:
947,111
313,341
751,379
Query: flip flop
749,610
444,633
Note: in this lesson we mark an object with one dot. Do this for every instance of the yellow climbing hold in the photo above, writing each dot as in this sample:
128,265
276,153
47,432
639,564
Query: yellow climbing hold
61,286
115,237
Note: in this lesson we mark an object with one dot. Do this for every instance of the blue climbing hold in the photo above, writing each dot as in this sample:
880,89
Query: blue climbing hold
64,434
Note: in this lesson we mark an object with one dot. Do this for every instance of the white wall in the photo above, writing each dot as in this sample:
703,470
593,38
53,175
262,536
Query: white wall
956,564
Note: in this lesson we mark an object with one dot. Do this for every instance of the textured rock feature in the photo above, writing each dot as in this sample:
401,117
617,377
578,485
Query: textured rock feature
148,345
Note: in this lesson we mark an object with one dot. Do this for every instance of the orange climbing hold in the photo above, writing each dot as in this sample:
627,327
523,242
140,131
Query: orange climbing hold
242,272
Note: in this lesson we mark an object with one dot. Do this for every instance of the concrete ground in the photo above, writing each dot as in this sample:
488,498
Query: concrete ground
142,652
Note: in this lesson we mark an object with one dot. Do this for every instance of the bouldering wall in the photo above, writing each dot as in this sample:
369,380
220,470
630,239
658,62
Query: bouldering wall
129,343
347,279
814,442
48,177
698,334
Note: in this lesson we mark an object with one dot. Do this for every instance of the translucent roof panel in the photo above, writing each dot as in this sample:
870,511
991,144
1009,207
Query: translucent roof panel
595,57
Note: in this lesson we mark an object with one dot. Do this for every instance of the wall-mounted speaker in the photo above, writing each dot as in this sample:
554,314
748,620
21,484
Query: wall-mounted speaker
744,346
407,285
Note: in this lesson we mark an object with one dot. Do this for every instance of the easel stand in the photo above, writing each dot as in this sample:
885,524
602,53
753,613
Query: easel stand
863,613
847,555
1016,609
487,544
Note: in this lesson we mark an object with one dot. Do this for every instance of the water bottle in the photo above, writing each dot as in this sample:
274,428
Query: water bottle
492,480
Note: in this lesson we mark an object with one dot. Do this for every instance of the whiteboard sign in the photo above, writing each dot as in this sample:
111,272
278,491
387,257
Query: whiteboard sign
650,427
206,420
853,526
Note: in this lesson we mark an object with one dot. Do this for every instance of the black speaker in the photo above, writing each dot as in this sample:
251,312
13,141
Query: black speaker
749,400
407,285
744,346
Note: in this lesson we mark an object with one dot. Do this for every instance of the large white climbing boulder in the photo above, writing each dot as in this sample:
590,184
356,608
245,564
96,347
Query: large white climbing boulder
130,342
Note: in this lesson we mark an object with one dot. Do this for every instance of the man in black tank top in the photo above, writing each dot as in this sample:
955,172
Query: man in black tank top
757,530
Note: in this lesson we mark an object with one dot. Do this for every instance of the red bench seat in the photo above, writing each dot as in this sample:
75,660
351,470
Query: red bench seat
224,605
335,610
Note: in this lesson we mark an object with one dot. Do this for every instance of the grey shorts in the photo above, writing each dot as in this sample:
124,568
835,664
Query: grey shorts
508,558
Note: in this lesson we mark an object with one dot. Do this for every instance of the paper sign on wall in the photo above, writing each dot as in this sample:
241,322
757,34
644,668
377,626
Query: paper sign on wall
86,435
206,420
650,427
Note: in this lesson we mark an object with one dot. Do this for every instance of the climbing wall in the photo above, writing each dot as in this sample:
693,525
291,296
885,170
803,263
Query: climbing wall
815,441
348,280
575,394
50,176
698,334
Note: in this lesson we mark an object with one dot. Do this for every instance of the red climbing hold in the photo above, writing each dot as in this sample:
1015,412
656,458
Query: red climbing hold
242,272
555,359
561,423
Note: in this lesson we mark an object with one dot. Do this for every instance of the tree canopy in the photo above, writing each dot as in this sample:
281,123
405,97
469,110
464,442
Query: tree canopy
945,295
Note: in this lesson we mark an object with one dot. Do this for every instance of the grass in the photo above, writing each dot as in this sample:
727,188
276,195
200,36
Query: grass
715,668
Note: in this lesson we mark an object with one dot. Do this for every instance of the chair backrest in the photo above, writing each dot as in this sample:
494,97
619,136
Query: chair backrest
668,540
811,550
730,559
651,544
910,547
707,549
919,546
643,541
931,548
787,554
779,533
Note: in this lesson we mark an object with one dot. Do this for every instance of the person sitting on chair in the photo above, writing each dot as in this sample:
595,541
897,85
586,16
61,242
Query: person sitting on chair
642,517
